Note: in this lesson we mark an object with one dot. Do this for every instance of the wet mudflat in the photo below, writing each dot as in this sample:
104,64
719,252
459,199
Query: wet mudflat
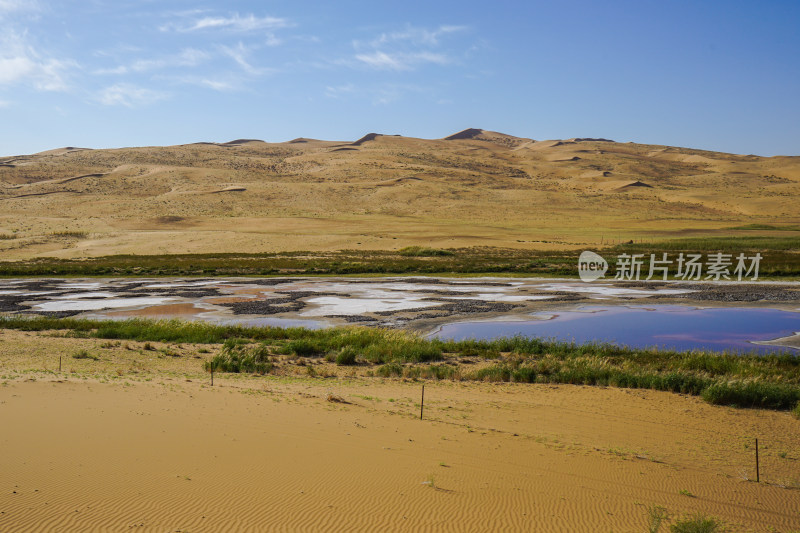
681,315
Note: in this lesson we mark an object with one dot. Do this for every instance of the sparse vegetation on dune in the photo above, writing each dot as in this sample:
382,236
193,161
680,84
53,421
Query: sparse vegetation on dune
780,258
769,227
656,515
70,234
83,354
697,523
345,262
421,251
747,243
237,356
769,381
422,197
691,523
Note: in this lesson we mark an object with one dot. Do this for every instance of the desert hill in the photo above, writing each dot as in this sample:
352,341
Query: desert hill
383,191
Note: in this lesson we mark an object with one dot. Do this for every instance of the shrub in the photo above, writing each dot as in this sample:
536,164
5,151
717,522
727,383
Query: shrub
238,357
347,356
655,516
752,394
438,372
417,352
698,523
304,348
492,373
420,251
390,370
83,354
714,364
402,350
524,374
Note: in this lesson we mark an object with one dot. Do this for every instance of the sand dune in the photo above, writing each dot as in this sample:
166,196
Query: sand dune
635,185
590,139
542,145
62,151
366,138
469,133
231,188
476,134
480,188
397,181
242,142
560,158
28,195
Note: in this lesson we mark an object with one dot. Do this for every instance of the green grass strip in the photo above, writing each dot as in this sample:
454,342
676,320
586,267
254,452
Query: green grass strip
769,381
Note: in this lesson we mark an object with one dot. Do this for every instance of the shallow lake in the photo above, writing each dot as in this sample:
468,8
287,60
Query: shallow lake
665,326
472,307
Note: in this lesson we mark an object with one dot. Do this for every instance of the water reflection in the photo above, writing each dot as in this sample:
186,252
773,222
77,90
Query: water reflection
666,326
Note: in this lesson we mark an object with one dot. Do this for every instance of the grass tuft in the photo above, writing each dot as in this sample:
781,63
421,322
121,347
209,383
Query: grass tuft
697,523
70,234
347,356
656,515
752,394
83,354
420,251
236,357
390,370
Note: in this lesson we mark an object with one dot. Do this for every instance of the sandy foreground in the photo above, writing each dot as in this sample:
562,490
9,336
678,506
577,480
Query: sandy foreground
140,442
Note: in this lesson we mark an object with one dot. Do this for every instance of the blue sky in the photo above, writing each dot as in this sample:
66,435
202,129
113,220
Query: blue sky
715,75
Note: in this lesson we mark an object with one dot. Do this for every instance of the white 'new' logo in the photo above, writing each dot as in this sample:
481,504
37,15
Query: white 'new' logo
591,266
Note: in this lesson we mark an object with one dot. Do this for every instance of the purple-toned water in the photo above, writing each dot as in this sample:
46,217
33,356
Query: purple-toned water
665,326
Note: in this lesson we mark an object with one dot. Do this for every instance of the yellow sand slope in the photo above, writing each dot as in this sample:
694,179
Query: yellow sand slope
381,192
275,455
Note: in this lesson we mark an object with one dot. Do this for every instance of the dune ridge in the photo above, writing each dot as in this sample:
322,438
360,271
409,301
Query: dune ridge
475,188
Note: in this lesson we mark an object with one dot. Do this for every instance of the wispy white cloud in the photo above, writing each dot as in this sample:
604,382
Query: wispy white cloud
389,93
4,103
335,91
10,6
128,95
406,49
240,54
378,94
218,85
118,50
417,36
401,60
272,40
188,57
20,62
234,22
223,82
121,69
382,60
